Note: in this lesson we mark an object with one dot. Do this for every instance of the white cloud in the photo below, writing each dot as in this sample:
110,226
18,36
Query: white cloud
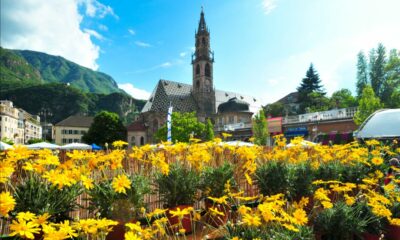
166,65
133,91
94,34
183,54
103,27
47,26
131,31
96,9
142,44
268,5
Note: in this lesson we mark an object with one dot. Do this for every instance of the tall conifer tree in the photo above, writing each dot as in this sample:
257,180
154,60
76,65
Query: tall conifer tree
362,72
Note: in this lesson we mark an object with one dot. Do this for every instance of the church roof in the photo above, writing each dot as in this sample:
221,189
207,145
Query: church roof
136,126
233,105
181,98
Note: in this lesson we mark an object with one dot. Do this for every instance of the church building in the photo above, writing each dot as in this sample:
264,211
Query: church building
227,110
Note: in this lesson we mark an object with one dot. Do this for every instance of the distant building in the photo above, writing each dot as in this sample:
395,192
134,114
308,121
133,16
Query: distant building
18,125
290,103
71,129
136,133
200,97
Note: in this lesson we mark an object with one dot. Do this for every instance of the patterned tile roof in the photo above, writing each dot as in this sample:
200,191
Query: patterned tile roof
181,98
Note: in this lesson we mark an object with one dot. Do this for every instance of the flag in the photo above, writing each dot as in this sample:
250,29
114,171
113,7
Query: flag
169,124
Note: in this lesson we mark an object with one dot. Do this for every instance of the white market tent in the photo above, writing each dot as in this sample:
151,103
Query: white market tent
303,143
238,143
76,146
4,146
43,145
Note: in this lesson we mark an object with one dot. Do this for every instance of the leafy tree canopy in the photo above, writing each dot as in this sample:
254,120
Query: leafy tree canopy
367,105
260,129
309,85
106,128
342,99
183,126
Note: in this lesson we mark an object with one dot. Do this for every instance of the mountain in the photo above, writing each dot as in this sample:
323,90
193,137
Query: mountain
63,101
28,68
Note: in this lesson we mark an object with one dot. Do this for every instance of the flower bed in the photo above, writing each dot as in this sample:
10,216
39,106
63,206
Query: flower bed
301,192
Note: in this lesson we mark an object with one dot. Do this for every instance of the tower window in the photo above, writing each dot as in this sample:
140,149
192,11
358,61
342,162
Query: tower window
207,70
203,40
197,69
198,84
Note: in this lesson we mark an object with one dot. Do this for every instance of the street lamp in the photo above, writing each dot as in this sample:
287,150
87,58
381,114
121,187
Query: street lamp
45,112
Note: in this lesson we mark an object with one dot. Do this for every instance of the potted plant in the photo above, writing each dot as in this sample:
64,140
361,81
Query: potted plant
212,183
272,178
37,196
341,222
122,207
177,190
301,176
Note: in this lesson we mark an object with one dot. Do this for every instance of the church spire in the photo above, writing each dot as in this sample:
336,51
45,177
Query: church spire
202,22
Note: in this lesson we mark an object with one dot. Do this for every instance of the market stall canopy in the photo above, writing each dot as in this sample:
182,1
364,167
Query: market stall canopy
238,143
4,146
43,145
303,143
77,146
96,147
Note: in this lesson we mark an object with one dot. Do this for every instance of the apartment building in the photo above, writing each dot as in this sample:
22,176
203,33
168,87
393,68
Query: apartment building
71,129
18,125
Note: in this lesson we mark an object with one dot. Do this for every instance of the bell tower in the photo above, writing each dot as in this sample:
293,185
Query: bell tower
202,61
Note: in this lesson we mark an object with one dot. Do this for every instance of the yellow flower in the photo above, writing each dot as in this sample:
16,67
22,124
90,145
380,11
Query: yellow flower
182,231
221,200
119,144
67,229
6,169
156,212
327,204
121,183
377,160
395,221
42,219
180,213
215,212
7,203
243,209
134,226
87,182
131,236
300,216
349,200
24,229
248,178
290,227
226,135
27,216
251,220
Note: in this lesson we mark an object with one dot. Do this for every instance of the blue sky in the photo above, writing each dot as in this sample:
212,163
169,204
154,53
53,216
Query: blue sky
262,47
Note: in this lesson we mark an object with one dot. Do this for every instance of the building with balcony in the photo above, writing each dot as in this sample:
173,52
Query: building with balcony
17,124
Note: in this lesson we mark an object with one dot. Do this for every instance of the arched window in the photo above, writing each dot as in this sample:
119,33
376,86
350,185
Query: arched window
207,70
203,40
198,69
133,141
141,140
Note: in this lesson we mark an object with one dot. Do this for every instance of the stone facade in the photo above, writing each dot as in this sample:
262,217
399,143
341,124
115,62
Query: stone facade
201,96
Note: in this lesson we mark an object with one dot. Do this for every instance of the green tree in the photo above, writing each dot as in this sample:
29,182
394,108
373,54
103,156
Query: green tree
317,102
377,61
342,99
260,128
311,83
391,84
209,135
276,109
183,126
106,128
367,104
362,72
